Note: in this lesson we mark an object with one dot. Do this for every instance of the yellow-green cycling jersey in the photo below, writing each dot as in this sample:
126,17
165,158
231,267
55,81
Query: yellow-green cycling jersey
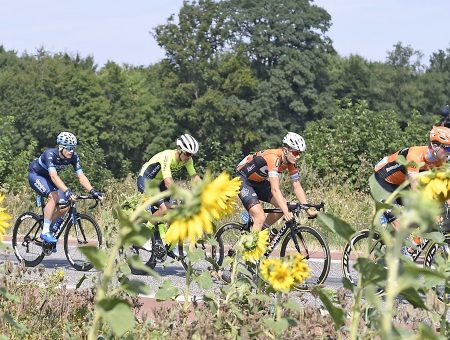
163,164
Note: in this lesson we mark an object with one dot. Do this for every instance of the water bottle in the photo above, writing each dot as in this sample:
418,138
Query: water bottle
57,224
38,201
245,217
383,219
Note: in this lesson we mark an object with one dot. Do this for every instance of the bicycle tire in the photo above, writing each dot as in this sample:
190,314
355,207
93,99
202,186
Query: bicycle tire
442,292
86,232
21,242
355,248
206,263
147,257
316,253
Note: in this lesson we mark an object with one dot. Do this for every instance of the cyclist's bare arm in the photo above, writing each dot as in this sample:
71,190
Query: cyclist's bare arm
84,182
168,181
279,198
57,181
195,178
301,196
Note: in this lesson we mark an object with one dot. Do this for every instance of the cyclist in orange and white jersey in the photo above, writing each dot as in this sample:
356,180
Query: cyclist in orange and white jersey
260,176
389,174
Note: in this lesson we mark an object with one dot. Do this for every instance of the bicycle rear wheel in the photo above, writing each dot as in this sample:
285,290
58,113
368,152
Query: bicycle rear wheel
26,240
85,232
314,249
203,255
357,247
436,251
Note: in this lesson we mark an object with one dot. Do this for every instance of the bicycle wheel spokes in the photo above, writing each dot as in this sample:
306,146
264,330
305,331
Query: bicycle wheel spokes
26,239
202,253
314,249
227,237
357,248
85,232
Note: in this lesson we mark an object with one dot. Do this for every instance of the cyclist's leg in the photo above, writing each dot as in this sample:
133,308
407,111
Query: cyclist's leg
250,200
45,187
380,191
264,193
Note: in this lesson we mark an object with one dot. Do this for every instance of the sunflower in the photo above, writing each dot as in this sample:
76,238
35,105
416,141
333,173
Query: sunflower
435,185
192,227
280,278
218,196
254,245
300,269
4,219
266,267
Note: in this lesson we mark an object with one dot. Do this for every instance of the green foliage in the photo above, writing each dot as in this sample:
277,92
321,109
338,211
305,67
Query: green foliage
356,138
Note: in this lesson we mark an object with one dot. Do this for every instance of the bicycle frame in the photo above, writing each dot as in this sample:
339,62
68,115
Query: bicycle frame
70,213
273,242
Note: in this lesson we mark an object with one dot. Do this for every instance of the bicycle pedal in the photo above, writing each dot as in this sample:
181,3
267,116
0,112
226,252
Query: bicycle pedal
48,251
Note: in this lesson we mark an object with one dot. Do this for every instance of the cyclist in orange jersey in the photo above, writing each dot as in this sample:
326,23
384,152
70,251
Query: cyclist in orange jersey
260,173
389,174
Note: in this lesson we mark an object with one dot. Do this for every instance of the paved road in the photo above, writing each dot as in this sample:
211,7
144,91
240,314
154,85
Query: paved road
171,270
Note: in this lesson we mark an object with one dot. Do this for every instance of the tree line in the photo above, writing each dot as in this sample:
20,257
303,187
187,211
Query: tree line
237,75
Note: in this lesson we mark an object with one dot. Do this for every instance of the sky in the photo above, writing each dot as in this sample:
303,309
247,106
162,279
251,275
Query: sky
120,30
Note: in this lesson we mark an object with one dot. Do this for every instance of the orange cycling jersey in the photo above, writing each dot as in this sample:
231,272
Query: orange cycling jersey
392,172
263,164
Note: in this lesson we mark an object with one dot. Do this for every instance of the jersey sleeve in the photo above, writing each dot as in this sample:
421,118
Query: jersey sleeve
76,164
293,172
190,167
49,159
273,164
165,165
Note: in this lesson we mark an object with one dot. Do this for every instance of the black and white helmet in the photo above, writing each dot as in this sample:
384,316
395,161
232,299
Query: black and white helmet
187,143
294,141
66,139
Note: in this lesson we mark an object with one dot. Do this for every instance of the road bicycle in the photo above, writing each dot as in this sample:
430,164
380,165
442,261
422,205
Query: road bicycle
295,239
360,242
79,230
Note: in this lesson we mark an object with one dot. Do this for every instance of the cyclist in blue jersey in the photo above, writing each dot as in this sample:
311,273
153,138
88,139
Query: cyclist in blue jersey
44,179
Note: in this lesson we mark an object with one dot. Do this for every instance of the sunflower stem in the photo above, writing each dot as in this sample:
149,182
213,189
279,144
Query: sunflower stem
187,284
277,315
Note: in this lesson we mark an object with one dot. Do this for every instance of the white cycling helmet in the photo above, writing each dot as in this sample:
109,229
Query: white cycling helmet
187,143
66,139
294,141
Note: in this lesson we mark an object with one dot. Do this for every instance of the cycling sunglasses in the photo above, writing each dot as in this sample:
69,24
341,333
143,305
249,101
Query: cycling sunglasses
295,152
188,154
69,148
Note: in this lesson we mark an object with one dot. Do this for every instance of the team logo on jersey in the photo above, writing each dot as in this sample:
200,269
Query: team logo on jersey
244,192
251,167
277,162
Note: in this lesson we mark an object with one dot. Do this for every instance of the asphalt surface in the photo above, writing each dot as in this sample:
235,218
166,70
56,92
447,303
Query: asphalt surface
169,270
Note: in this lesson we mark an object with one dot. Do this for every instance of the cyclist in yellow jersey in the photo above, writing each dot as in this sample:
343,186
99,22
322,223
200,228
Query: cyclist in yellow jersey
160,167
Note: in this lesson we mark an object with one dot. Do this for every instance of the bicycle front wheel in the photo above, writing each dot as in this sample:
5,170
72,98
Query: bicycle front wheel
146,256
358,247
314,249
85,232
26,240
227,237
435,254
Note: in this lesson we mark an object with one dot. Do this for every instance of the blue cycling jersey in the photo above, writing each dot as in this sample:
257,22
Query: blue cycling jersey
50,160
